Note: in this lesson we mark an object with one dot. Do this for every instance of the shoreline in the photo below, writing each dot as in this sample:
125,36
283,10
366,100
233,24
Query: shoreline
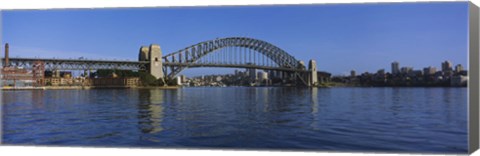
177,87
88,87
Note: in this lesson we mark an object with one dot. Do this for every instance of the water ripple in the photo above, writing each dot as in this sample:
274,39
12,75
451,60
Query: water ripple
341,119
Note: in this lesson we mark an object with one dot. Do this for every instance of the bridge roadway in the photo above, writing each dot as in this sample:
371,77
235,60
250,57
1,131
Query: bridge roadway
77,64
230,52
86,64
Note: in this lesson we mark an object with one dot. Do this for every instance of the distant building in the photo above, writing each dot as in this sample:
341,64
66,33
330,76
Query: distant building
416,73
429,71
381,72
380,76
259,75
178,80
252,74
183,79
407,76
446,66
264,76
272,74
406,70
218,78
395,68
458,68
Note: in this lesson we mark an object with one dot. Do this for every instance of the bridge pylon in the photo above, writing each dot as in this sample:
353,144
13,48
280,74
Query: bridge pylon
152,54
312,75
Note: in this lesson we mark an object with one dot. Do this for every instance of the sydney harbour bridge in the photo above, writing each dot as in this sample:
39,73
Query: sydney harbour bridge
230,52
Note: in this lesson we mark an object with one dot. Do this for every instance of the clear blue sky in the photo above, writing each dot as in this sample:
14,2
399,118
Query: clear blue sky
363,37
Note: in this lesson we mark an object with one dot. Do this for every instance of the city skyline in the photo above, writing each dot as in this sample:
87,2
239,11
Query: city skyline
415,34
399,65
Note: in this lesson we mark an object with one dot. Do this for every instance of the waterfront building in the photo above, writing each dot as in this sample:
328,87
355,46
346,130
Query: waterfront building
66,81
113,75
59,81
459,80
395,68
66,74
323,76
353,73
52,81
107,81
439,76
14,76
56,73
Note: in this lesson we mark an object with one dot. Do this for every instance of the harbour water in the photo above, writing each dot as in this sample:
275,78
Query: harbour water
432,120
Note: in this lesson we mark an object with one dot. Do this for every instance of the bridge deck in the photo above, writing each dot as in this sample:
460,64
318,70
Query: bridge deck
84,64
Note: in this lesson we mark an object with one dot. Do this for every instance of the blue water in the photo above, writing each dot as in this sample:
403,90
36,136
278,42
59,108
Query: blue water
432,120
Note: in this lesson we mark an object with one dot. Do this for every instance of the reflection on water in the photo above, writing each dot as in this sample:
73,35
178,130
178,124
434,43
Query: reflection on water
151,110
314,108
366,119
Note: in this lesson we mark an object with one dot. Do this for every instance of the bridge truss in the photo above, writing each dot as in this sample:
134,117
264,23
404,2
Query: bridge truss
236,52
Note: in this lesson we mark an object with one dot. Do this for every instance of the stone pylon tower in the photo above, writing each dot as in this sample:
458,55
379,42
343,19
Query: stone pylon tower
156,64
153,54
312,68
6,63
143,54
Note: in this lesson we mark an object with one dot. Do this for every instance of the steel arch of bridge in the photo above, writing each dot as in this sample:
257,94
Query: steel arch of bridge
188,57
